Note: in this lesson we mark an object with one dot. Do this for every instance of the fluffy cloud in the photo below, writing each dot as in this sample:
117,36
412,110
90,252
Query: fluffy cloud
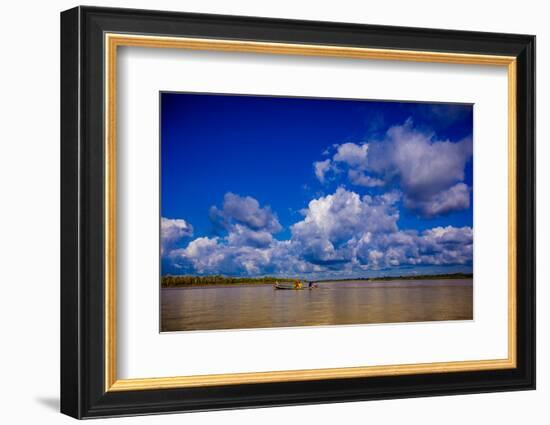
360,179
438,246
246,247
430,172
220,256
245,211
244,236
455,198
362,232
353,155
172,230
331,222
340,234
246,223
321,168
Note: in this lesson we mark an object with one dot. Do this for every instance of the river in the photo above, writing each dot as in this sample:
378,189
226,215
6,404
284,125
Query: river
333,303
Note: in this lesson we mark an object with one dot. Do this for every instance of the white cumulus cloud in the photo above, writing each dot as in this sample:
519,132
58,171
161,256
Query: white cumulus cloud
245,211
429,172
321,168
353,155
455,198
341,234
334,220
172,230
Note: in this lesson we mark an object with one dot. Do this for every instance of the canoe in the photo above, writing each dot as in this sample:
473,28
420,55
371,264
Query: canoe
288,285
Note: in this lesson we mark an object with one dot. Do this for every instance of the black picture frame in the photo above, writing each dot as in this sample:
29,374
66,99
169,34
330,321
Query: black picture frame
83,392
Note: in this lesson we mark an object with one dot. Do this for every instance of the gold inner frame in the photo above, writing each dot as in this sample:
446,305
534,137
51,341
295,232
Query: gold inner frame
113,41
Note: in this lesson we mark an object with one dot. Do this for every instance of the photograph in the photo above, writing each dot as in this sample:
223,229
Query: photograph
303,211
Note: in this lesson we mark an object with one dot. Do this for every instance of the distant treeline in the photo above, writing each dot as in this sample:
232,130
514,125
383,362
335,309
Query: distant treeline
181,281
176,281
409,277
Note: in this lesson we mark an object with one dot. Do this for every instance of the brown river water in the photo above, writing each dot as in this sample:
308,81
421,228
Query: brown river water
333,303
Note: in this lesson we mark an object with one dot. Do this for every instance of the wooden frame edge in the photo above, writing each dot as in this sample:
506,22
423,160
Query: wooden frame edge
512,212
110,213
306,375
114,40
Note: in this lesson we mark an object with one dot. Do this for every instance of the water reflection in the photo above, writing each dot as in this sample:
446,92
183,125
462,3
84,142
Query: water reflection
333,303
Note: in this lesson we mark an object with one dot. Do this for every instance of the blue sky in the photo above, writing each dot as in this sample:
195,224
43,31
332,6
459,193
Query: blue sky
315,188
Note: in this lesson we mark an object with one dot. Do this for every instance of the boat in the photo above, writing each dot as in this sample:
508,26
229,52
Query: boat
294,285
288,285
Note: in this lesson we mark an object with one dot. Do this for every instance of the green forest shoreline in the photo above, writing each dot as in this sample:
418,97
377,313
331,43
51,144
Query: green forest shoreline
184,281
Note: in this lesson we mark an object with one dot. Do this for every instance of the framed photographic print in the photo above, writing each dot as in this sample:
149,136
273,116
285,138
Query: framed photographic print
261,212
375,231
